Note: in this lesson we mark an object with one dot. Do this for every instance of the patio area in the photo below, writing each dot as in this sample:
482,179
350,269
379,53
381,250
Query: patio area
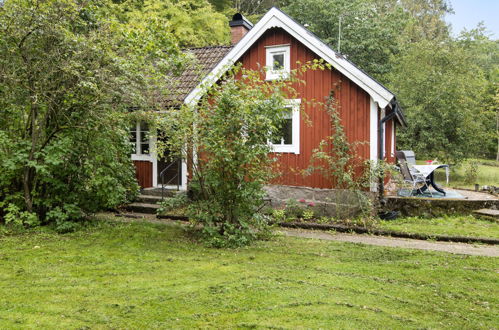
450,193
455,201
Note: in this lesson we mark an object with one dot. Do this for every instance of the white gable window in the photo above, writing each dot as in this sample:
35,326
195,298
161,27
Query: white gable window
288,139
278,62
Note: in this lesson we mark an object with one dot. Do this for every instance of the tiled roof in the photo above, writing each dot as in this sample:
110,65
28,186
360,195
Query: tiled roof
204,60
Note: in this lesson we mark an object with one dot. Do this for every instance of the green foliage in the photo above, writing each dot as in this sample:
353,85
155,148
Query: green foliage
177,201
230,131
471,171
14,216
368,33
441,89
68,76
279,215
192,23
308,214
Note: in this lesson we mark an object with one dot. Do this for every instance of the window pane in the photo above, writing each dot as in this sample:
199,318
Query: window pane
144,148
144,137
278,61
133,138
285,135
287,131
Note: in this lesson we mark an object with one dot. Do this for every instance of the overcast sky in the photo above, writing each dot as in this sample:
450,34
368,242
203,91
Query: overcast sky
469,12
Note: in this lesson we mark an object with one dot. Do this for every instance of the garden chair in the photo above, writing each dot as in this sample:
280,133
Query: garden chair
418,181
407,155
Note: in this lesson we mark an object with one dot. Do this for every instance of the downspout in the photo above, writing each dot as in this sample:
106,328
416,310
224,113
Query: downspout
381,135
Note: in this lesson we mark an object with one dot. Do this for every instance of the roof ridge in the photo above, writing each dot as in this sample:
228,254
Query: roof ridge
207,47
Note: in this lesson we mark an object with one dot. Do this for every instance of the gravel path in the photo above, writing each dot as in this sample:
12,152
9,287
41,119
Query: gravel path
458,248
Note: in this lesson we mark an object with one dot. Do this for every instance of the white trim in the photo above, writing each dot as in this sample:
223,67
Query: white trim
138,155
382,115
143,157
373,131
393,139
283,73
294,148
152,157
373,139
276,18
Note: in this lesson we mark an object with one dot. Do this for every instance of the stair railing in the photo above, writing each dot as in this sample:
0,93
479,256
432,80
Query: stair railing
176,176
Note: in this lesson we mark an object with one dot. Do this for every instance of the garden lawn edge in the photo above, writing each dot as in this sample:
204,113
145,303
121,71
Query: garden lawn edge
372,231
392,233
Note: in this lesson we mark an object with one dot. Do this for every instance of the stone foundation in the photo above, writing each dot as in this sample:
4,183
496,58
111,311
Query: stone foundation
338,203
432,207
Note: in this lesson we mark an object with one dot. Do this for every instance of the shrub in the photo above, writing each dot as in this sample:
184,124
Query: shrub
230,131
471,171
68,79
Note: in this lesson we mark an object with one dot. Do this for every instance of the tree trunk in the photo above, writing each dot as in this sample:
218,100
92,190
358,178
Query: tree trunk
28,175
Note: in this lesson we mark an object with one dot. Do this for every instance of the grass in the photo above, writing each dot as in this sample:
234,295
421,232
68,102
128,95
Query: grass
467,226
488,174
139,275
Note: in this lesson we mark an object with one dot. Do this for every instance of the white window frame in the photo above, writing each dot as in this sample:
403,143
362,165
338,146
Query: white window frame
277,50
138,155
294,105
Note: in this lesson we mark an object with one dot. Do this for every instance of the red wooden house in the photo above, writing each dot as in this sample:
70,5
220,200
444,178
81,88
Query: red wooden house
369,111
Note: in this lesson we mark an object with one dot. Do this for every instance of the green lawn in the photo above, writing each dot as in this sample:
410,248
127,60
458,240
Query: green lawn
467,226
140,275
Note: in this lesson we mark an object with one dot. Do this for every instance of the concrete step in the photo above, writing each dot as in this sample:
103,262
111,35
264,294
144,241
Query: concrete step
132,215
157,192
142,208
487,214
151,199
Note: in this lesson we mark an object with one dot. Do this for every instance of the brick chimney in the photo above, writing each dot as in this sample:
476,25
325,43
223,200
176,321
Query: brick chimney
239,26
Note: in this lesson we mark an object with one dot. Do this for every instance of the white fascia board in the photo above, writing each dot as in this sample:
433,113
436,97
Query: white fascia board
373,131
276,18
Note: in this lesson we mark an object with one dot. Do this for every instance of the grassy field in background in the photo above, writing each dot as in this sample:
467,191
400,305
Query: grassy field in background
139,275
466,226
488,174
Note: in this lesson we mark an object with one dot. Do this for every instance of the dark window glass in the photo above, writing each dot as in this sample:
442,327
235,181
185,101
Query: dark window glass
287,131
278,61
133,138
285,135
145,148
144,133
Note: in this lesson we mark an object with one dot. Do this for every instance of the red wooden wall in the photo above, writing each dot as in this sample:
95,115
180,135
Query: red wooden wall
143,172
389,128
354,107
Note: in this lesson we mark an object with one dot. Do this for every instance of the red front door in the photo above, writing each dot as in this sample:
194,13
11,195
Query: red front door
143,172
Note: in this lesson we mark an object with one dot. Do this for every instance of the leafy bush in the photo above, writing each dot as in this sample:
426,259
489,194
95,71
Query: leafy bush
171,203
471,171
230,132
68,78
14,216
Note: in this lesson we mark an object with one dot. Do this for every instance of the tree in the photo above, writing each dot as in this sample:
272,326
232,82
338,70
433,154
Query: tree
67,80
441,89
192,23
368,36
484,51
